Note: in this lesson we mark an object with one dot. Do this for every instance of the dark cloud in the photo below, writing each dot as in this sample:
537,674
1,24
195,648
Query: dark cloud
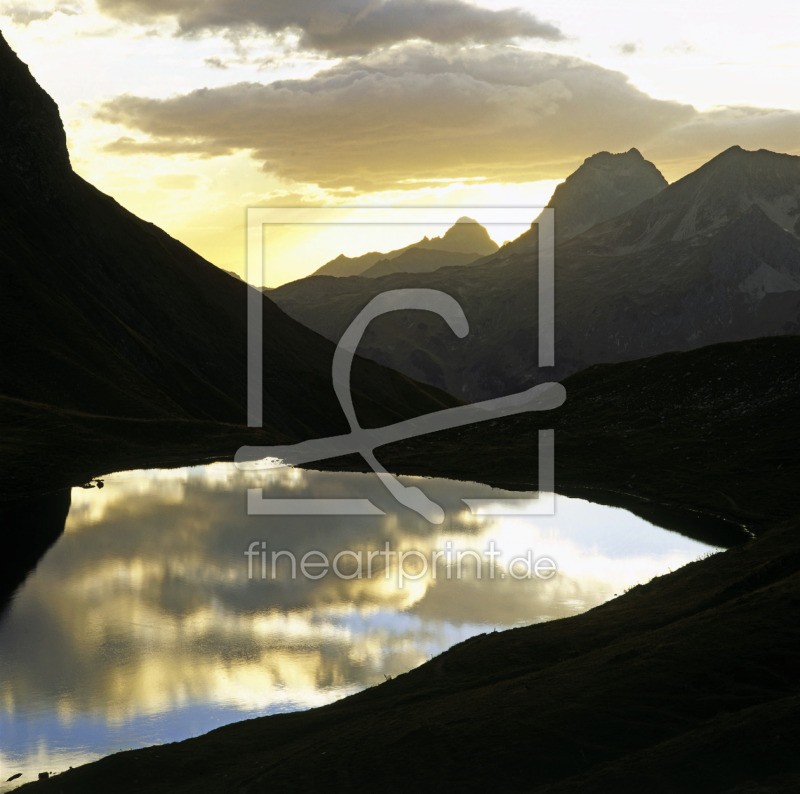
628,48
23,14
416,113
343,27
215,62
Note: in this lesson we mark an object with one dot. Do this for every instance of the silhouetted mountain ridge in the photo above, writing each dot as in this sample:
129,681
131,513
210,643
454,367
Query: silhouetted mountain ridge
105,313
419,260
33,145
712,196
603,187
701,261
466,235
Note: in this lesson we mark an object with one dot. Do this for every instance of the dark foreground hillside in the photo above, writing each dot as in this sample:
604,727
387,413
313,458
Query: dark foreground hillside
104,314
674,437
686,683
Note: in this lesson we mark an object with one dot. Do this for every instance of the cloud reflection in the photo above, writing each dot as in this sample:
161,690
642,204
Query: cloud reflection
143,610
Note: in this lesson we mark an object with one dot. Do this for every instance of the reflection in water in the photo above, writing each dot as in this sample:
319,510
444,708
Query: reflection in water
141,624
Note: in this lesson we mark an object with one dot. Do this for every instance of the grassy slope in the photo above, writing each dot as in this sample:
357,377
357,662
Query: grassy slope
713,430
121,319
44,449
687,683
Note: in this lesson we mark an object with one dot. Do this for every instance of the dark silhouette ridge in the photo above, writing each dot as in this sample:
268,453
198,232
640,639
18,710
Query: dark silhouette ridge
419,260
106,314
34,160
123,348
648,433
464,242
30,527
466,235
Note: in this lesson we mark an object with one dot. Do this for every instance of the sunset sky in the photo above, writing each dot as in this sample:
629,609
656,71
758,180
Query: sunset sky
189,111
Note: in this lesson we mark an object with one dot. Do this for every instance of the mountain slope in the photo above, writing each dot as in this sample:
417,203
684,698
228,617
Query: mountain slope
344,265
702,261
419,260
605,185
655,427
105,313
466,235
711,197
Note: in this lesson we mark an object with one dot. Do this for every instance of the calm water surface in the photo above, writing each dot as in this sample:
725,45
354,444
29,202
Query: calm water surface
147,622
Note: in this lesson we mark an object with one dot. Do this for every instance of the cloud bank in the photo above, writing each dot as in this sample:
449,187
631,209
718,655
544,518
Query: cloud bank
401,118
342,27
22,14
409,115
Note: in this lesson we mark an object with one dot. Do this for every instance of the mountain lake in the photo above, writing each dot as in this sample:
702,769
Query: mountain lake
165,610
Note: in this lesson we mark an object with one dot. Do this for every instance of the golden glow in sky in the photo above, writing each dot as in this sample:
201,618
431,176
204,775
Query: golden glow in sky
189,116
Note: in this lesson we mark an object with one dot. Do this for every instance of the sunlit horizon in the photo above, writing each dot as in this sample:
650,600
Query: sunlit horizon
187,122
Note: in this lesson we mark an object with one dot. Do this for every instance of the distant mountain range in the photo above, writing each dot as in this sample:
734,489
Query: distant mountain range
464,242
714,257
106,314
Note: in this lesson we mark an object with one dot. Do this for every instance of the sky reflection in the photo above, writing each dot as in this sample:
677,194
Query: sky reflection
141,624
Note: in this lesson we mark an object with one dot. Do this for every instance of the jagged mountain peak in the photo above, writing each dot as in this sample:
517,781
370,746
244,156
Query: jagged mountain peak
715,194
625,288
604,186
466,235
736,152
33,145
731,151
757,168
737,157
606,159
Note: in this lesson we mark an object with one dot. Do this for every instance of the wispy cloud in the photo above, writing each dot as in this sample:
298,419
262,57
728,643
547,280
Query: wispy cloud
215,62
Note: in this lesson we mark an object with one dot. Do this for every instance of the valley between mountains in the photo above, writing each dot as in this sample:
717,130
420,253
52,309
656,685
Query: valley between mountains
677,339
